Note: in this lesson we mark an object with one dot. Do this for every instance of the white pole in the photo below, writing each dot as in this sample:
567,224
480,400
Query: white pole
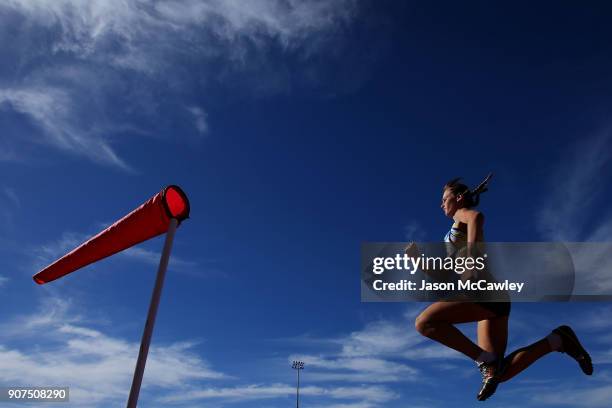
148,330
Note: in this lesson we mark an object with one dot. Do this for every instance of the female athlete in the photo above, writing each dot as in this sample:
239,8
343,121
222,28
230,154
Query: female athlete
438,320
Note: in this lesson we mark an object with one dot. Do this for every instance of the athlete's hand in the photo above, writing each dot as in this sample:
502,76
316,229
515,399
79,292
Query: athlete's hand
412,250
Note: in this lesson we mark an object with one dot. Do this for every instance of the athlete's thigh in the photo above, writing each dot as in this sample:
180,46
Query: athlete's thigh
455,312
493,334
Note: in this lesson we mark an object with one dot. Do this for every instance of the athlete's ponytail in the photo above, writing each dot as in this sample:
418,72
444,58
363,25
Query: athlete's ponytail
471,197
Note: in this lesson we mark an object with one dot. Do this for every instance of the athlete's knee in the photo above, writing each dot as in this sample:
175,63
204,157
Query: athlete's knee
424,325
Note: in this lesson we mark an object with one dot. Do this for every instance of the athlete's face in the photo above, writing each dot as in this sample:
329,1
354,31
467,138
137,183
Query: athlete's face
450,203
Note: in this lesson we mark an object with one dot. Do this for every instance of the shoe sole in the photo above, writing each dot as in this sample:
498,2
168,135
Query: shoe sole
567,333
484,397
495,379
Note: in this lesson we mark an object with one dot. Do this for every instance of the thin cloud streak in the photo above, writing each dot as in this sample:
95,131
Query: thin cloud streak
98,50
199,118
67,348
369,394
575,184
51,109
97,366
12,196
591,397
568,213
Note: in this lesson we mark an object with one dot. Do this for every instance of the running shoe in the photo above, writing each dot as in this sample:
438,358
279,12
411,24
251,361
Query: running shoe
491,373
572,347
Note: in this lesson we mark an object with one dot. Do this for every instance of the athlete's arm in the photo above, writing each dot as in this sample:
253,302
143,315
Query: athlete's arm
412,250
474,221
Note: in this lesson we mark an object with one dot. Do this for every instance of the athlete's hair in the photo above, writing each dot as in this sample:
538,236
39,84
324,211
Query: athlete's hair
471,197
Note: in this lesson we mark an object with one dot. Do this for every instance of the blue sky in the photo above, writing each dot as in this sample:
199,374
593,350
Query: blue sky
298,130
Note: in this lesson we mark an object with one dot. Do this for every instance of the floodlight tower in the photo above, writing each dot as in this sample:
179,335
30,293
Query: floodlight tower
298,365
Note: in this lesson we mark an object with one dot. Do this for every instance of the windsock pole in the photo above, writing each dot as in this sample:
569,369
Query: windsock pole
161,214
150,323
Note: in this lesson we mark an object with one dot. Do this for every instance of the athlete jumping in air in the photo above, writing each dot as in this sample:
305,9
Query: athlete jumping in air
438,320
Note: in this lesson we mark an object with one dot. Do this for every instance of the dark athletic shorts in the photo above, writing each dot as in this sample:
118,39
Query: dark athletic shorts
499,308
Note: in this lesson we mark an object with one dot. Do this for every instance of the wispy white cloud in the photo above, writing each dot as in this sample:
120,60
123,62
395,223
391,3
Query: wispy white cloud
570,212
390,351
597,318
7,152
66,347
199,118
50,251
343,376
51,311
52,109
434,351
574,185
152,258
146,57
3,280
12,196
243,393
96,366
56,346
603,357
379,338
588,397
11,205
383,351
414,231
86,27
357,369
360,404
369,394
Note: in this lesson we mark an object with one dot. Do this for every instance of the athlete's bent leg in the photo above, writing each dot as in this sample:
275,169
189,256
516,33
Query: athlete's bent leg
436,322
493,335
562,339
522,358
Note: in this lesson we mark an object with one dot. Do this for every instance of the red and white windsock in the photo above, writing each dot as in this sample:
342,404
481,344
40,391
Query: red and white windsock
147,221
